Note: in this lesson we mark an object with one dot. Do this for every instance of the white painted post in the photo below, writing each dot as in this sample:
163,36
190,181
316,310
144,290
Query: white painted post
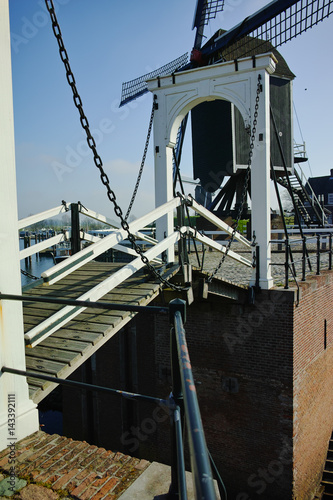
163,173
260,181
12,352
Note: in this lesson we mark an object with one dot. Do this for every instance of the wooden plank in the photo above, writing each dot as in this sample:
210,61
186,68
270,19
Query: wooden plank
105,265
32,390
67,345
142,289
86,326
96,271
59,355
107,318
81,325
86,276
30,321
39,312
37,382
48,367
106,334
42,313
70,287
88,337
39,393
79,281
119,296
56,291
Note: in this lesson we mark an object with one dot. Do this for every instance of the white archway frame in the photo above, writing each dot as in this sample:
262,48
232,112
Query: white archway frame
236,82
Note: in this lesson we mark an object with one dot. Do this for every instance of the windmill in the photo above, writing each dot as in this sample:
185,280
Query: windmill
218,164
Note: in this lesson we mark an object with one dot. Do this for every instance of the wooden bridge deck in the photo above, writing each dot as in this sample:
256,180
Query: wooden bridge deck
65,350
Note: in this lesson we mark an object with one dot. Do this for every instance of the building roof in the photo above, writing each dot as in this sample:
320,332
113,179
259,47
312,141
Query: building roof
322,185
249,46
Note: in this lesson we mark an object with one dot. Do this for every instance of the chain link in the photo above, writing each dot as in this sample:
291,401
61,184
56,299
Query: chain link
142,162
92,145
246,182
28,275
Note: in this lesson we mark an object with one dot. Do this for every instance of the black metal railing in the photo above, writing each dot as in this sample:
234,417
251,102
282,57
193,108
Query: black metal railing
310,258
182,403
185,397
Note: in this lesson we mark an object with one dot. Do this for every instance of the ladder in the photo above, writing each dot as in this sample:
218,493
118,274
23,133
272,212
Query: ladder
307,203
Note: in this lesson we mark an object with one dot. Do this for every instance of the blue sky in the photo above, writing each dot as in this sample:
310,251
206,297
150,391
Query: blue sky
110,42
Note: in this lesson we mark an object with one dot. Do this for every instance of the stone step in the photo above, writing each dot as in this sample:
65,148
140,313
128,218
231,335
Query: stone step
154,482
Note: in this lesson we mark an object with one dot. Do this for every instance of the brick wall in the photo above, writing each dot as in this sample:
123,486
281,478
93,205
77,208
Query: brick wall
313,374
242,362
263,382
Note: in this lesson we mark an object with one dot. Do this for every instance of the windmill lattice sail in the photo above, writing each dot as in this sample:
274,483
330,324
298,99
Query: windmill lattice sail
134,88
205,11
277,23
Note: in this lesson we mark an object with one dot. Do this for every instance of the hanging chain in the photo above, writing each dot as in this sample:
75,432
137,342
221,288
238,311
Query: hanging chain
28,275
246,182
92,145
142,162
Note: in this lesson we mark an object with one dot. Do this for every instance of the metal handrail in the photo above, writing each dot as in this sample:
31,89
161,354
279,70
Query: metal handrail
313,196
185,396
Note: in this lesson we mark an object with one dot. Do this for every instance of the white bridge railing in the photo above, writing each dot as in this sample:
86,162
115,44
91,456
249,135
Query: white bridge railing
54,240
114,240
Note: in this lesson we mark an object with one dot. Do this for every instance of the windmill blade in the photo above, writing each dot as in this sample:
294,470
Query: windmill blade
135,88
278,22
205,10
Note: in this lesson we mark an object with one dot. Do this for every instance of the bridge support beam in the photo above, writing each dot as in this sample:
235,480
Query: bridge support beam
163,176
14,394
260,184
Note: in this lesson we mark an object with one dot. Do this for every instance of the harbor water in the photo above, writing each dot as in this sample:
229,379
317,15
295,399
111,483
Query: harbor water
39,263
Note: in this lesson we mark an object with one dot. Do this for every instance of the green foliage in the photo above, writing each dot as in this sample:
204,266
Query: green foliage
290,221
242,225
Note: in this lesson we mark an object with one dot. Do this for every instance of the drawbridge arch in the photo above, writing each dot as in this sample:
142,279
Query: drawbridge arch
175,95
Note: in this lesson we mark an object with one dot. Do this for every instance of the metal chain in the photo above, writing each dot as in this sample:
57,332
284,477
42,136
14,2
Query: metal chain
142,162
92,145
28,275
246,182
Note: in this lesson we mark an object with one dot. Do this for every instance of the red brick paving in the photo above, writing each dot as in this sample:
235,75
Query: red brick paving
73,468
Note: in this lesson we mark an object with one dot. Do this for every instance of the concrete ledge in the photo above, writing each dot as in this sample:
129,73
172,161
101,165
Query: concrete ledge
154,483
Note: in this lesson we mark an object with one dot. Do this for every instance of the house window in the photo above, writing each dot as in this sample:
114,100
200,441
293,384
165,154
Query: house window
330,198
